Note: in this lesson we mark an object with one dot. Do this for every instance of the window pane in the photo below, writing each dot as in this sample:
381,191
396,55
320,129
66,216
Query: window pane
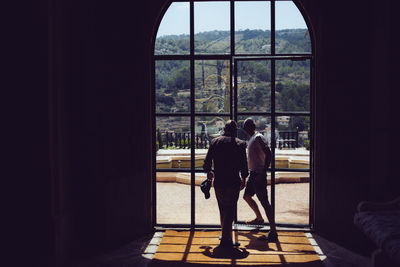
263,126
254,86
173,142
291,34
206,129
172,86
292,85
173,198
173,33
212,28
252,28
212,86
292,197
292,138
207,211
244,212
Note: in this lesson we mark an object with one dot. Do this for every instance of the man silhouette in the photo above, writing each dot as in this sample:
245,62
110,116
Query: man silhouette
229,156
259,158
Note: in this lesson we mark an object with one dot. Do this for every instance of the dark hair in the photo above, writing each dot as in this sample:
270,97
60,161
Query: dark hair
230,128
249,126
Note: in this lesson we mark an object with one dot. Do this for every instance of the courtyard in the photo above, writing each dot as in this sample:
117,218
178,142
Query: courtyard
173,204
292,190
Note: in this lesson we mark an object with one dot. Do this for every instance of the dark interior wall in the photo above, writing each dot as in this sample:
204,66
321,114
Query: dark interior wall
25,161
87,105
94,127
343,88
103,75
354,113
384,180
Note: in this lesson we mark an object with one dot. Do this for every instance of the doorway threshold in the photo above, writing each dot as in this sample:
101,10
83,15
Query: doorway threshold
240,226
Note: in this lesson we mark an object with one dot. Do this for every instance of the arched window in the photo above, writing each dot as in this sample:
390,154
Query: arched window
220,60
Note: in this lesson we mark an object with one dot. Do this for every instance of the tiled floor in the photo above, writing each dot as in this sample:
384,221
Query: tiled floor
141,251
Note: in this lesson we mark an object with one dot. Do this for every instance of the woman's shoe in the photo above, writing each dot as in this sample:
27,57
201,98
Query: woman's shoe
255,222
272,236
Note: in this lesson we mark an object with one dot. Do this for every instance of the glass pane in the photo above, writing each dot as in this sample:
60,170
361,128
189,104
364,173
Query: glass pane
263,125
173,33
291,34
172,86
244,212
252,28
292,139
173,142
212,86
173,198
212,28
254,85
292,197
207,211
207,128
292,85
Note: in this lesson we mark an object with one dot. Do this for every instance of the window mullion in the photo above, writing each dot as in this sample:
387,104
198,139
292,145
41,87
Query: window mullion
273,107
232,103
192,120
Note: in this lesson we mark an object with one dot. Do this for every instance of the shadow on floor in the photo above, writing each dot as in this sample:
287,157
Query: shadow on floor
155,263
225,253
201,248
132,255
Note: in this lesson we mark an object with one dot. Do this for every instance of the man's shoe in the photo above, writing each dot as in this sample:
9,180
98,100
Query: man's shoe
235,244
272,236
255,222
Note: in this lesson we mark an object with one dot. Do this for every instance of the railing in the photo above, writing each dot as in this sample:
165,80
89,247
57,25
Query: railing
182,140
288,140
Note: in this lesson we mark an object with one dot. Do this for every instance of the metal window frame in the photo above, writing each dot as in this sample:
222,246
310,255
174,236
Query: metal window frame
233,114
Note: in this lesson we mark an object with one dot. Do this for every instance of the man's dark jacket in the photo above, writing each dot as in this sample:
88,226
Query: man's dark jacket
229,156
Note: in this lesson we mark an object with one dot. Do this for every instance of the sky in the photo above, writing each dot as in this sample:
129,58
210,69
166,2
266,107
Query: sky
209,16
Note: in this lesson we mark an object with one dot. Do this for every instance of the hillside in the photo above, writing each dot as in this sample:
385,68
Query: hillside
172,79
247,41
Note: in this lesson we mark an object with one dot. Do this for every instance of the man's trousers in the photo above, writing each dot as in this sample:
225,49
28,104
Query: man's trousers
227,203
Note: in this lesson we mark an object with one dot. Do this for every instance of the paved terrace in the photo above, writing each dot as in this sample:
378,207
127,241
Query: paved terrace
173,190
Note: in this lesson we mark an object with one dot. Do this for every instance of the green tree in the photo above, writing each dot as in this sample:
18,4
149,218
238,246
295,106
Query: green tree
258,97
262,73
179,80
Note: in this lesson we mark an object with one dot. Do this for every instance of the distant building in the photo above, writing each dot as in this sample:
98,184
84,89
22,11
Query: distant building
283,120
303,134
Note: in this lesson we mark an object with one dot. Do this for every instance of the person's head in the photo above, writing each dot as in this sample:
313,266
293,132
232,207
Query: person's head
249,126
230,128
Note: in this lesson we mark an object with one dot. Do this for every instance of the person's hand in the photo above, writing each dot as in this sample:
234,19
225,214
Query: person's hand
242,184
210,175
